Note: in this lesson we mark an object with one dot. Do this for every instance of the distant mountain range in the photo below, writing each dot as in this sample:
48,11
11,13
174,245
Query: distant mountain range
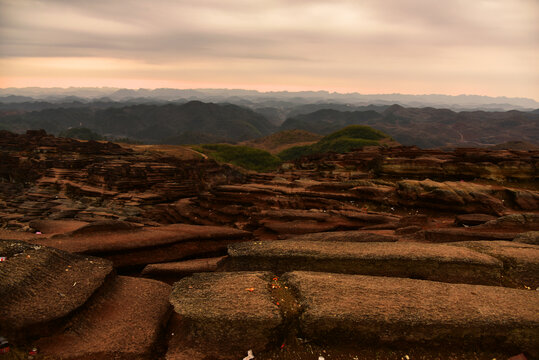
280,100
191,123
196,122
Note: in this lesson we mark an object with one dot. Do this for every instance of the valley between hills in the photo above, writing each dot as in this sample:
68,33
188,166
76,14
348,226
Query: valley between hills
207,231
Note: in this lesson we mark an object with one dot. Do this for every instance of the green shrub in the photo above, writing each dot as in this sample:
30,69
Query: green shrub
295,152
347,139
243,156
80,133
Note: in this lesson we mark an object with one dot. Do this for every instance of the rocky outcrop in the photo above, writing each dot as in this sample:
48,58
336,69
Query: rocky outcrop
414,163
44,177
449,196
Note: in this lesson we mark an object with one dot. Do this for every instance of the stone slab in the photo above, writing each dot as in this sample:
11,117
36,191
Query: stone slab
226,314
341,309
521,261
401,259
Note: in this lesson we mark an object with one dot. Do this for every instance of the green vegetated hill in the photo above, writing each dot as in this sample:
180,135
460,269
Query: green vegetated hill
242,156
191,123
326,121
347,139
281,140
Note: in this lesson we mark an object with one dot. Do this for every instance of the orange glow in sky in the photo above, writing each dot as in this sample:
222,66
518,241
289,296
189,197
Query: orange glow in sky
393,46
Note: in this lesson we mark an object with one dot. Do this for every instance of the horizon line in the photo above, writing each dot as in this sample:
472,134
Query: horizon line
268,91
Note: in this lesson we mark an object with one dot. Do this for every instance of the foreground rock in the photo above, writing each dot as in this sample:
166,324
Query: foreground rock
370,310
138,246
413,260
124,321
223,315
40,286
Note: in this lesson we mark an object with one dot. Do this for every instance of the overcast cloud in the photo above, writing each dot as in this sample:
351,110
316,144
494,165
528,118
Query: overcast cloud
488,47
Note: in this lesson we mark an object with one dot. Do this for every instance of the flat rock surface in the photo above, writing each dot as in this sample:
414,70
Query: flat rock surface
98,242
225,313
124,322
39,285
346,236
342,308
401,259
521,261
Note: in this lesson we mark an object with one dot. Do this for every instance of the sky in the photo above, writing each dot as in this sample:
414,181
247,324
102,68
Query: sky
482,47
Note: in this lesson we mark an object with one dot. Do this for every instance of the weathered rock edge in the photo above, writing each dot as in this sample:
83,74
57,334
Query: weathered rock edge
339,308
225,314
40,286
413,260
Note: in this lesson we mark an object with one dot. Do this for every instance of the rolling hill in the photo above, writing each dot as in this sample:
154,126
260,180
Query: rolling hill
344,140
282,140
190,123
429,127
